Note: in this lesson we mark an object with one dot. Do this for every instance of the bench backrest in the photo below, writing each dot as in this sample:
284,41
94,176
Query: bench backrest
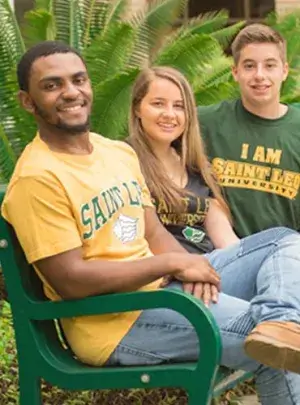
22,282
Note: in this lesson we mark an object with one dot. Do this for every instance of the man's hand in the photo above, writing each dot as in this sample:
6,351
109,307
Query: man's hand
193,268
204,291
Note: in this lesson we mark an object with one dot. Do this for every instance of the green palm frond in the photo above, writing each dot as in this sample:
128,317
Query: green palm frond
286,23
114,12
111,105
214,73
152,25
289,26
93,12
190,54
216,94
8,157
206,23
272,18
11,41
162,14
69,21
225,35
160,19
39,26
19,126
109,52
291,88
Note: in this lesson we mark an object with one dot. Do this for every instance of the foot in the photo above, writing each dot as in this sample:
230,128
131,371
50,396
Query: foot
275,344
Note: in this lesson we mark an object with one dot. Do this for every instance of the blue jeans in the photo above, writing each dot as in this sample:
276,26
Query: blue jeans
260,278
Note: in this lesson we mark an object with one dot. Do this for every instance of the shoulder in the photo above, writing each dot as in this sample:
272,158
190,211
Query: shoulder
35,161
120,150
291,121
216,111
294,112
116,146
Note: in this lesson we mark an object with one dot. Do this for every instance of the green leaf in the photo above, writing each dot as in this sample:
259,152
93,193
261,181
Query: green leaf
115,11
189,54
109,52
225,35
111,105
216,93
206,23
8,157
69,21
215,73
161,18
94,13
11,42
39,27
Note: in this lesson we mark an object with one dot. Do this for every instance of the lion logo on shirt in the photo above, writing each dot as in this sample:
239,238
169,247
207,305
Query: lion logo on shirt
125,228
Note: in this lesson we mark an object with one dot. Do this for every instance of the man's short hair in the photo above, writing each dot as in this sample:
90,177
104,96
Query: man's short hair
258,34
42,49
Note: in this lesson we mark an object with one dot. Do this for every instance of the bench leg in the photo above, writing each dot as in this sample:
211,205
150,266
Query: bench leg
196,397
30,390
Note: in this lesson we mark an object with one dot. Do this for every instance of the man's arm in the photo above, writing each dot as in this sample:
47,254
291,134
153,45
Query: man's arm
158,238
40,212
73,277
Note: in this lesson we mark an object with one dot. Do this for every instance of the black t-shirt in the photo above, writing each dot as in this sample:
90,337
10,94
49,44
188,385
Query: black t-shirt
187,226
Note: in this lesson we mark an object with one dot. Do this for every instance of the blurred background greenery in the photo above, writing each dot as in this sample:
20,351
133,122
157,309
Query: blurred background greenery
117,38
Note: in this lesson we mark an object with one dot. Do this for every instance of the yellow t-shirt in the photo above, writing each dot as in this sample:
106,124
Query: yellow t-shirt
57,202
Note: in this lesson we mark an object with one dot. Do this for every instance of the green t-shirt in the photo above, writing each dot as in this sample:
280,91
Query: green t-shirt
257,161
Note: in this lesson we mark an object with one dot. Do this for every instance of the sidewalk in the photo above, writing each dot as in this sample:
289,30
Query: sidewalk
249,400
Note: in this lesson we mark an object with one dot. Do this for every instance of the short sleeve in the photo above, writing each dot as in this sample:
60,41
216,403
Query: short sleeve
41,215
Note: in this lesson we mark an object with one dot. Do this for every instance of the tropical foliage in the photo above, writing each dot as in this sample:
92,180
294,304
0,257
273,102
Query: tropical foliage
116,43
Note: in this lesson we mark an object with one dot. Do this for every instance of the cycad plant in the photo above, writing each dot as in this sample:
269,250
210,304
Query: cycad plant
116,43
289,26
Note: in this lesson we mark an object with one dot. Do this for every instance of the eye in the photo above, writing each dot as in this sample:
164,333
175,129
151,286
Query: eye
179,106
271,65
50,86
80,80
157,103
249,66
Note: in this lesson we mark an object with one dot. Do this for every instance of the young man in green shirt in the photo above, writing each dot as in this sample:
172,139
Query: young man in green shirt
254,142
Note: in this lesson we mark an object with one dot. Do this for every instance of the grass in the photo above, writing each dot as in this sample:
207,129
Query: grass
55,396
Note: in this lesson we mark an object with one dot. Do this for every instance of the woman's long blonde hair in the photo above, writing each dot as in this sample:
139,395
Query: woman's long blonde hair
189,146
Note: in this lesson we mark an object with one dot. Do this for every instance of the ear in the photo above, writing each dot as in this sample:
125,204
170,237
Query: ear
285,71
26,101
234,71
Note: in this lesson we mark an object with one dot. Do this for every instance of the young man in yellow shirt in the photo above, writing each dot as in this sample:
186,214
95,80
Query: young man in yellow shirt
83,215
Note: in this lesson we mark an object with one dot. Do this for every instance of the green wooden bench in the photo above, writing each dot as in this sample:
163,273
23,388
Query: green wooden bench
42,355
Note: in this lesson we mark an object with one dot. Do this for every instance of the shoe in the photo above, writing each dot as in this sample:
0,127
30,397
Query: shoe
275,344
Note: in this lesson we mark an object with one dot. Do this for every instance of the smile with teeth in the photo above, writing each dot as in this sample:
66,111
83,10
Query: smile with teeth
265,87
71,109
167,126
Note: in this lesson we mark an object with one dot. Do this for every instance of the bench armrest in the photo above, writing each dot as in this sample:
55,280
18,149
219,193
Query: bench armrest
187,305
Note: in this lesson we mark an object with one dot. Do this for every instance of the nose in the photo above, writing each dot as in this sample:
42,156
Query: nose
169,111
260,74
70,91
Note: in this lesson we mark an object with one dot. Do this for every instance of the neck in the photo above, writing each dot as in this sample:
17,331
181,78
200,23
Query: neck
272,110
162,152
73,144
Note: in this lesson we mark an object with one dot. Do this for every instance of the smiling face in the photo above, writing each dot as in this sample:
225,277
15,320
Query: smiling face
162,112
260,72
60,94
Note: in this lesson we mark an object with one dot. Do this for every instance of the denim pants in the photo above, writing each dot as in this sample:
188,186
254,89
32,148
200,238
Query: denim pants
260,281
